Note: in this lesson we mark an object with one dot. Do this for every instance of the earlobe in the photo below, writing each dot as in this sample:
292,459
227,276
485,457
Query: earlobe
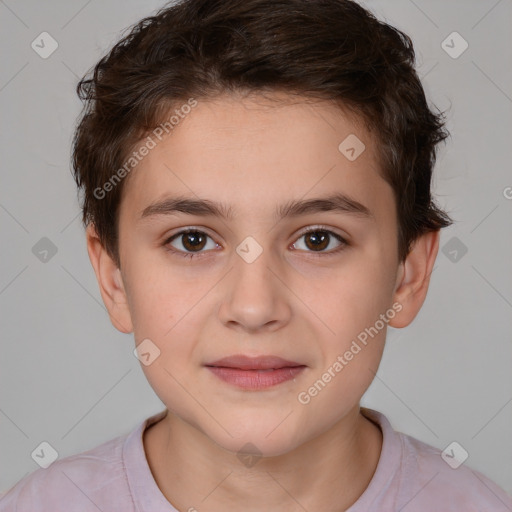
413,278
110,282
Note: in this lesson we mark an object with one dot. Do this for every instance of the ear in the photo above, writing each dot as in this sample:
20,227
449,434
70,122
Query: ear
413,278
110,282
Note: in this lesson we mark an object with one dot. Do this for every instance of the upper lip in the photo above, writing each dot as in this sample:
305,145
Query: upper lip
244,362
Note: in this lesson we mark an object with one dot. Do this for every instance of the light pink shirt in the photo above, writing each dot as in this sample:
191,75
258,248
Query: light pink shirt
115,477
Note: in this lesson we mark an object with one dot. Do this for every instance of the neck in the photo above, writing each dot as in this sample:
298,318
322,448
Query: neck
328,472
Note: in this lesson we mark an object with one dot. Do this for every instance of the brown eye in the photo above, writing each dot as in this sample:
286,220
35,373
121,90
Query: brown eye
318,240
190,241
193,241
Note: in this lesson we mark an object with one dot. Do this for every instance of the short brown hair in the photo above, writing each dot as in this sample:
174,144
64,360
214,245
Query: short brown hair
326,49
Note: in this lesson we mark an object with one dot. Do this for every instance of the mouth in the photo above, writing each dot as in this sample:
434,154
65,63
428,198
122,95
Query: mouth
254,373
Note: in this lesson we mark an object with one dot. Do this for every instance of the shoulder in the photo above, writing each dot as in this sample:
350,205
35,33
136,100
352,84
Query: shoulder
443,479
82,482
412,475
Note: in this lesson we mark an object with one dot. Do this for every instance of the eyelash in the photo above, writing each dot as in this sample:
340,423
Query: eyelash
323,229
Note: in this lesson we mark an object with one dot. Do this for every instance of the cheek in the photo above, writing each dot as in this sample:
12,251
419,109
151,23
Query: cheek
158,298
169,382
333,391
165,307
174,340
350,361
351,296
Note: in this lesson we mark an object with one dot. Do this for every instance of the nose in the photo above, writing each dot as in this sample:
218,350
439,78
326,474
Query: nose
254,297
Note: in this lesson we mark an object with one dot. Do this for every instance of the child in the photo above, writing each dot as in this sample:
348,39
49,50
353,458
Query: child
256,180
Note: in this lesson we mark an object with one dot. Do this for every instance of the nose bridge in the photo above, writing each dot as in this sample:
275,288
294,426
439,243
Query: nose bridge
255,297
251,274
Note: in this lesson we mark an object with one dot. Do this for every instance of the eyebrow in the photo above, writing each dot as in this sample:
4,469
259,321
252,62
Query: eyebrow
203,207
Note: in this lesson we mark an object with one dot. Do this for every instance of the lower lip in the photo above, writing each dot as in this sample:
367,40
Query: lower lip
255,379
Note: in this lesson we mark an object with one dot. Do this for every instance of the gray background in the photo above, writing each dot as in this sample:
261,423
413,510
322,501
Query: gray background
69,378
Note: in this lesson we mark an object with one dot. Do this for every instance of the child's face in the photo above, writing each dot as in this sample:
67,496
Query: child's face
302,305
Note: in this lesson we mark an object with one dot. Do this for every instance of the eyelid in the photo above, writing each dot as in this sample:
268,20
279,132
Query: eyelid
188,229
342,239
182,231
321,227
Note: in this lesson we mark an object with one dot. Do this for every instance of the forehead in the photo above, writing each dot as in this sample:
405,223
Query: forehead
255,152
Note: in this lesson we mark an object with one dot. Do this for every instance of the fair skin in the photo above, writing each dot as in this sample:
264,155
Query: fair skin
292,301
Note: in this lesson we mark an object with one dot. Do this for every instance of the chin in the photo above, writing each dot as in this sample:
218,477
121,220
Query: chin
257,447
263,439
